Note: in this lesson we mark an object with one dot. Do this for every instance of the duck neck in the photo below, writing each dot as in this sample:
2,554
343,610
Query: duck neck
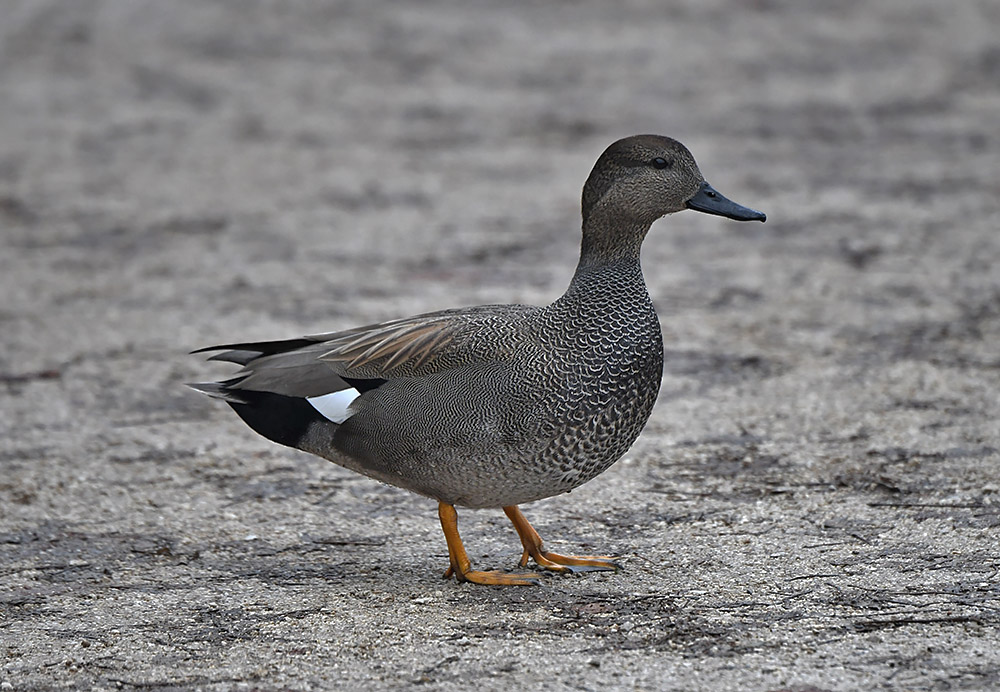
611,253
607,308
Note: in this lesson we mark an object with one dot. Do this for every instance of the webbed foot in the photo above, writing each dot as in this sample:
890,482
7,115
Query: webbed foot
534,550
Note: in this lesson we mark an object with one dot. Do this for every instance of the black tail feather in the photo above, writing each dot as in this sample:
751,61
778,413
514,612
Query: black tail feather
225,390
283,419
241,354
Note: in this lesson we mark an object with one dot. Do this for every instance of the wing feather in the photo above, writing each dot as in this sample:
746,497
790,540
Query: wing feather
326,363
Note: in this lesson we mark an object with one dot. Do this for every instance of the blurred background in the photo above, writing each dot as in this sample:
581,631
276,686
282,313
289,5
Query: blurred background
178,174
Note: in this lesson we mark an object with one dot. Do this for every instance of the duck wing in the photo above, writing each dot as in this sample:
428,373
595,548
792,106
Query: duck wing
365,357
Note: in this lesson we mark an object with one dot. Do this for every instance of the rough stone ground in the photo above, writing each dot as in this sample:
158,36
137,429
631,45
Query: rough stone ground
814,503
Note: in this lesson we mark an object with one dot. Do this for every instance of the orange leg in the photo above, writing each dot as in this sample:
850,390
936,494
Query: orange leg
532,543
461,567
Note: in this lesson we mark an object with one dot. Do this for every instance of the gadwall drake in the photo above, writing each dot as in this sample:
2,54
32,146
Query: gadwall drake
496,405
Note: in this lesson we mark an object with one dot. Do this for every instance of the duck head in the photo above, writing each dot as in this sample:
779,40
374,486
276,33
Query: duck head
639,179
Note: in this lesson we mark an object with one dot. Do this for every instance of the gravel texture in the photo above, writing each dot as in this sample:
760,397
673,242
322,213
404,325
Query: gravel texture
814,504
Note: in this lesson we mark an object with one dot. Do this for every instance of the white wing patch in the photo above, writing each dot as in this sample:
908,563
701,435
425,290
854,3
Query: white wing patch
335,406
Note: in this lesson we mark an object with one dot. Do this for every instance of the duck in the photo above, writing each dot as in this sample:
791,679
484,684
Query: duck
493,406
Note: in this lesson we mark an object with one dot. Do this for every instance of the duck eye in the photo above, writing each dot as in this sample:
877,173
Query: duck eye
660,162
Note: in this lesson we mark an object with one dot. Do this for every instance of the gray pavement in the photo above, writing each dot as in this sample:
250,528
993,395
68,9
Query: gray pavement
813,505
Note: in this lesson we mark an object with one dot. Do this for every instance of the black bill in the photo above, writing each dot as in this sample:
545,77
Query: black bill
711,202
